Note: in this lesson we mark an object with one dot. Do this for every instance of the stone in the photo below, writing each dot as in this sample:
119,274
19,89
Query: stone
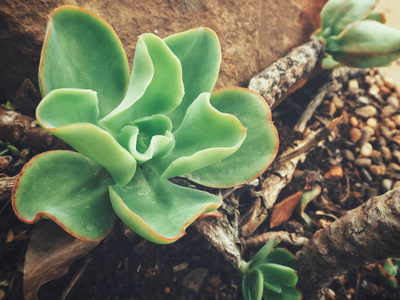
378,170
353,86
388,110
396,119
372,122
353,121
253,34
362,162
386,153
363,100
366,150
355,134
387,184
366,111
393,101
374,90
348,155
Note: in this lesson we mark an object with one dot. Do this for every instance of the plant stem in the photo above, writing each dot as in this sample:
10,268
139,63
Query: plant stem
366,234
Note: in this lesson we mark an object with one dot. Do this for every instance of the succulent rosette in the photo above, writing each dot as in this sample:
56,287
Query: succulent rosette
134,131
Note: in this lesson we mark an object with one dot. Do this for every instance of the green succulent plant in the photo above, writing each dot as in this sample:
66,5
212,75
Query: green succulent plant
388,271
270,275
134,132
355,36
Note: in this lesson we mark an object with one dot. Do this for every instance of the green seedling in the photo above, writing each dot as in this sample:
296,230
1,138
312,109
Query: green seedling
354,35
388,271
270,275
134,132
7,148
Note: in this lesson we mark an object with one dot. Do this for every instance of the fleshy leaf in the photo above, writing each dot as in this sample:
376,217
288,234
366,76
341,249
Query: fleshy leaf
200,54
376,16
258,149
282,257
288,293
365,44
329,63
279,274
204,137
82,51
338,14
71,115
68,188
155,87
262,254
157,209
252,285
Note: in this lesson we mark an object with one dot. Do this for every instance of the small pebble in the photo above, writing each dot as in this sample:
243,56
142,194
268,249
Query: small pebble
370,79
366,149
388,110
389,82
372,122
374,90
366,111
387,184
366,134
396,139
372,192
393,101
363,162
363,100
396,184
396,153
390,124
353,121
378,170
386,132
387,154
355,134
365,174
348,155
334,172
353,86
394,166
396,119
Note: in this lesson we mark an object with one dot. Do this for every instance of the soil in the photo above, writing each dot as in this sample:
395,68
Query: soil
124,266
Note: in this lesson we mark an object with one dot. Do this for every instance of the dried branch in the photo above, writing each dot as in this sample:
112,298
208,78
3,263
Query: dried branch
6,185
287,74
286,237
366,234
23,131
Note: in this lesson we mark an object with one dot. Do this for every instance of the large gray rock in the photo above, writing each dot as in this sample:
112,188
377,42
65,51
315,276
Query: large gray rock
252,33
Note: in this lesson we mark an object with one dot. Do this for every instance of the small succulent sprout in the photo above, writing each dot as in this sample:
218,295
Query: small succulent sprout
134,132
7,148
270,275
355,35
387,272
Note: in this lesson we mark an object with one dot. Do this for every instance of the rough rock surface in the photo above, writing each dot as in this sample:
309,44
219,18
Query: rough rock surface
252,33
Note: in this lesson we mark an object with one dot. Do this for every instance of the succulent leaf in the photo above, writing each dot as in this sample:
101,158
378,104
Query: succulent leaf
262,254
75,190
155,87
376,16
288,293
199,52
71,115
204,137
338,14
365,44
258,149
252,285
280,274
282,257
157,209
98,62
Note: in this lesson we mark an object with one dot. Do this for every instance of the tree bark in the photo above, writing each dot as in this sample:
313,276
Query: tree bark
288,73
366,234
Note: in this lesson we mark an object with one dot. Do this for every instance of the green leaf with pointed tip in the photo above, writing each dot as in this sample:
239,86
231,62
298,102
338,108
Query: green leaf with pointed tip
282,257
71,115
279,274
82,51
155,87
338,14
262,254
157,209
376,16
159,146
329,63
288,293
365,44
204,137
272,286
258,149
199,52
252,285
68,188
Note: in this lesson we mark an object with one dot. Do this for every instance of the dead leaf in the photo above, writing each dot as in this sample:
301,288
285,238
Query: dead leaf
334,172
307,197
284,209
49,256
